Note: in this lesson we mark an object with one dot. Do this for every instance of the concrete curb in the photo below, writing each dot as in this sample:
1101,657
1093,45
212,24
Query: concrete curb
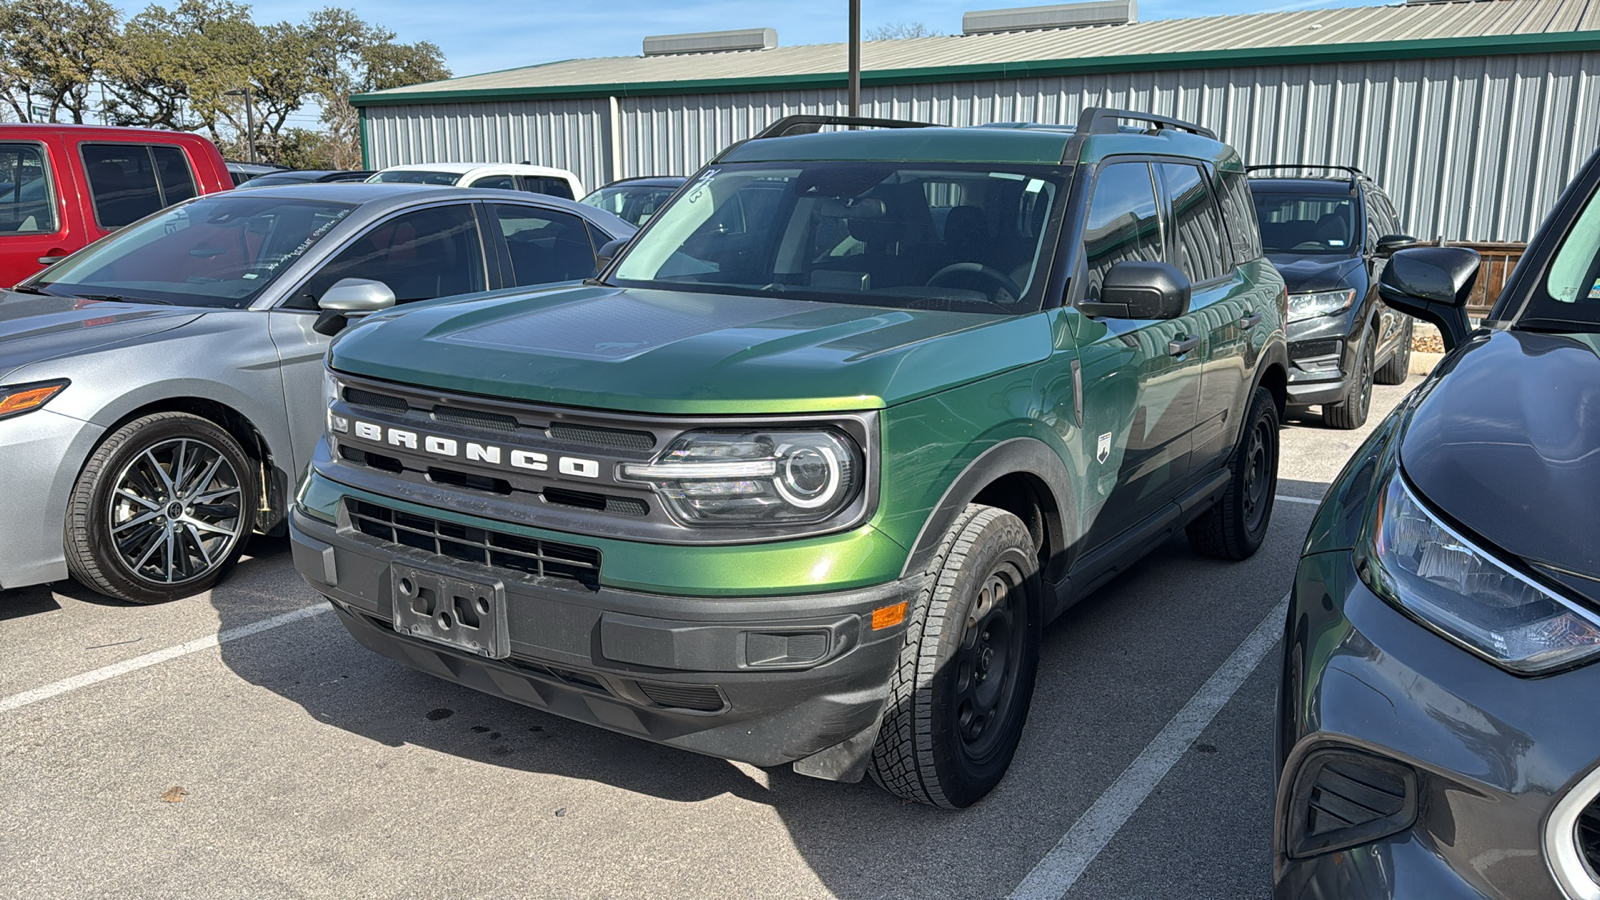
1422,362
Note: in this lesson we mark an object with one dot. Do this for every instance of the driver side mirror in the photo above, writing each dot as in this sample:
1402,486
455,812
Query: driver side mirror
350,298
1389,244
1433,284
1141,290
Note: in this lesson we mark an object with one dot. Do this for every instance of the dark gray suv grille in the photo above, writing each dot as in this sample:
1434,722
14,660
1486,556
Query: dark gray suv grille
558,562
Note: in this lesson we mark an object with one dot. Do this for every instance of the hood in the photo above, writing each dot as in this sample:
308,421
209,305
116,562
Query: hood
687,353
1304,274
34,328
1507,442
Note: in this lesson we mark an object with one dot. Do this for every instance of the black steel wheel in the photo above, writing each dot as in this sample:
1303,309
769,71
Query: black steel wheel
960,696
1351,412
162,509
1236,526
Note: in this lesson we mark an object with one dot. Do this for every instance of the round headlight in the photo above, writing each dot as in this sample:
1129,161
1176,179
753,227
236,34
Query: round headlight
741,477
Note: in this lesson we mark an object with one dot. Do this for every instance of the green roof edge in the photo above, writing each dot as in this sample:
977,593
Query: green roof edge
1252,57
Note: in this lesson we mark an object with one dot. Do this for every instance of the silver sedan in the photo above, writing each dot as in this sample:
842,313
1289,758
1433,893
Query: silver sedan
160,390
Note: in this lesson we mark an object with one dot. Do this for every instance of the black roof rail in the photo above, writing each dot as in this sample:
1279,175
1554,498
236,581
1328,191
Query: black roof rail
811,124
1103,120
1355,173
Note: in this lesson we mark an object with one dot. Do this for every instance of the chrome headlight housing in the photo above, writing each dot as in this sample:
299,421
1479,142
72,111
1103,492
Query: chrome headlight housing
1428,570
1319,303
759,476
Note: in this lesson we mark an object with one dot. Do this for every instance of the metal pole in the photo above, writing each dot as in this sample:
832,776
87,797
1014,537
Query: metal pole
855,57
250,124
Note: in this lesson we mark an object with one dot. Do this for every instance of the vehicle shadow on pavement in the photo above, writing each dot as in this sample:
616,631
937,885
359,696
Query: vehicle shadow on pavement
1113,670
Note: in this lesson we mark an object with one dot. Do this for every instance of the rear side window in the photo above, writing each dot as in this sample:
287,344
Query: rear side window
541,184
544,246
1239,212
1124,222
130,181
1199,239
27,202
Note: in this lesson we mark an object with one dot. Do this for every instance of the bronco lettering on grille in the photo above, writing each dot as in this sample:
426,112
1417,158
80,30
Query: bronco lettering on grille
471,451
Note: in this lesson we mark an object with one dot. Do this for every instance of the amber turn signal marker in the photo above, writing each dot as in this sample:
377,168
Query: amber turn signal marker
888,616
27,398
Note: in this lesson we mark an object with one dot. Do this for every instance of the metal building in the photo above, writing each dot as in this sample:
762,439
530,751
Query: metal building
1473,113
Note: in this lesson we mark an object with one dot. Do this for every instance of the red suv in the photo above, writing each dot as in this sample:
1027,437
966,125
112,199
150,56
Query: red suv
64,186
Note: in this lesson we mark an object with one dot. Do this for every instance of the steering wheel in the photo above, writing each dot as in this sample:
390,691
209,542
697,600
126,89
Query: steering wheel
953,275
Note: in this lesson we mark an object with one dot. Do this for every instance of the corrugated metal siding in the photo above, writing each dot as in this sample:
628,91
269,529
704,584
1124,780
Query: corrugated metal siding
1472,149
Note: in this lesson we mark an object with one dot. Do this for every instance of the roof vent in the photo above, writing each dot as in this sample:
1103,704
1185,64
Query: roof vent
711,41
1066,15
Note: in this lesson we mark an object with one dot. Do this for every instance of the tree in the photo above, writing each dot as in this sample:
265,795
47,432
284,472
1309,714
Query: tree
899,31
53,50
351,57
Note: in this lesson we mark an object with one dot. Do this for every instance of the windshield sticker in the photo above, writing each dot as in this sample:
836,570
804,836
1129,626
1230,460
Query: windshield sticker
1594,292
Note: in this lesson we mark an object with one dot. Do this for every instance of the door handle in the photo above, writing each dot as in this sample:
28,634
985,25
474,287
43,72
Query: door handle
1180,347
50,260
1250,321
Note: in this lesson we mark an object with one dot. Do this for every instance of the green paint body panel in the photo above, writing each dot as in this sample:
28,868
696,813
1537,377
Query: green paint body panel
1429,48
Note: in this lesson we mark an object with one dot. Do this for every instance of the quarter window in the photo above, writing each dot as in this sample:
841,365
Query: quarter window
1239,211
27,202
1124,222
540,184
544,246
1199,238
420,255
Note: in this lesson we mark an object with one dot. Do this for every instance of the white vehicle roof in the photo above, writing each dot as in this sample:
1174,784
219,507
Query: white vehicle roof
470,170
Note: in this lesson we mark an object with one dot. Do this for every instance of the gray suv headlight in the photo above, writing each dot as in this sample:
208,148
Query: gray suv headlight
1428,570
773,476
1319,303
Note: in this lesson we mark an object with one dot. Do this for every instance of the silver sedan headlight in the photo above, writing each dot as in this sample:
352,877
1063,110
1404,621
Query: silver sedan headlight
1319,303
1430,571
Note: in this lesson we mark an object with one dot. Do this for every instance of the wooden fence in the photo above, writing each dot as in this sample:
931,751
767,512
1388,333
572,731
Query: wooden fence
1498,261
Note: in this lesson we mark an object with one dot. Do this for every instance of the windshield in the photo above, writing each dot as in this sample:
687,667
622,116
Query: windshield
1306,223
939,236
218,251
1572,290
413,176
634,203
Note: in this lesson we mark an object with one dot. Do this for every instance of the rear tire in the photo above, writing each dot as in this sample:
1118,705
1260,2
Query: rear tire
960,695
1236,526
1351,412
1398,368
161,510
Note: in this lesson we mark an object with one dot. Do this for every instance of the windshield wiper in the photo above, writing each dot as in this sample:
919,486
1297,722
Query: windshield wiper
30,289
122,298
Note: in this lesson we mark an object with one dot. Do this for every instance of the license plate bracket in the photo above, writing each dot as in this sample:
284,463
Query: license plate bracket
451,608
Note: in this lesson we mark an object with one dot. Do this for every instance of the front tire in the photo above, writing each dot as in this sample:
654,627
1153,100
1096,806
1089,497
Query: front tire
1351,411
1398,368
1236,526
161,510
960,695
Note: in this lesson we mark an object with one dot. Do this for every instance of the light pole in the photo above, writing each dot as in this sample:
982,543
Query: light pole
249,118
855,57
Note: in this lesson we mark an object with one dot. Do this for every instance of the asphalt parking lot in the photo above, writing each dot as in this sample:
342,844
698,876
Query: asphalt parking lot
240,744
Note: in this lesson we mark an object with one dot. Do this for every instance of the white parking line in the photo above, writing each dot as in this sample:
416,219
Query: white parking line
56,688
1066,862
1288,499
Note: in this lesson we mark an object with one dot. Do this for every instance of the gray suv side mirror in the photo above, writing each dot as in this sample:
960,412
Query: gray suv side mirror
1389,244
1433,284
350,298
1140,290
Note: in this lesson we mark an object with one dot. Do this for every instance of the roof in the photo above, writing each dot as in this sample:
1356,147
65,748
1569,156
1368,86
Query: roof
999,145
469,167
1411,31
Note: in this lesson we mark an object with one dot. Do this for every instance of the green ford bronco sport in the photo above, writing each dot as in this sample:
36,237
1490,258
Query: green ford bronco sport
803,474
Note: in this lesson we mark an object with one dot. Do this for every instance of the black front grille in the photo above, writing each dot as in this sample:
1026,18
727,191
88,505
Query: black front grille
474,419
614,438
360,397
698,697
562,563
1346,797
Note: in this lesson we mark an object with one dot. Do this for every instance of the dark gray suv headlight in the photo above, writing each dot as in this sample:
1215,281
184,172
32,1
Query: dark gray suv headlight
776,476
1430,571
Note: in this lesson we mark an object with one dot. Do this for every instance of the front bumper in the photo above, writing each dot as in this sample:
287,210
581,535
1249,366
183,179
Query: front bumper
42,453
1320,359
1496,758
760,680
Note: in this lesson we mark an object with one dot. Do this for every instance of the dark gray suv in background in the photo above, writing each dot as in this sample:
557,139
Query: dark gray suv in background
1328,229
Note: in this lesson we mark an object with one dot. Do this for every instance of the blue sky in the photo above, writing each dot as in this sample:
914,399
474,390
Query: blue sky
489,35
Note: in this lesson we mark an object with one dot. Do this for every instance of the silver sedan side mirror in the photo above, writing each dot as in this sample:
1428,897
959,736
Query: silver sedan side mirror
356,297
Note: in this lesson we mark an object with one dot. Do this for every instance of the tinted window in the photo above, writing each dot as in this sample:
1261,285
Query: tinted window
414,176
218,251
856,232
1199,238
541,184
27,204
420,255
497,182
122,183
1239,211
172,167
544,246
1307,223
634,204
1124,222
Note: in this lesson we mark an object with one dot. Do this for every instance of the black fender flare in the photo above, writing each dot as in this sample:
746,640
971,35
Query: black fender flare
1018,455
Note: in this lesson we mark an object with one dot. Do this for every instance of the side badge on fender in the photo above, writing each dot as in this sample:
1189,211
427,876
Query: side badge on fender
1104,449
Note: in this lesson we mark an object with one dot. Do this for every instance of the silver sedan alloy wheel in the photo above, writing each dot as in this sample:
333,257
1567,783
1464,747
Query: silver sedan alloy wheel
176,512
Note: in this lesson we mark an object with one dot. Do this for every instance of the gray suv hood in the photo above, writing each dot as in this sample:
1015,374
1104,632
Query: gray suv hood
34,328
